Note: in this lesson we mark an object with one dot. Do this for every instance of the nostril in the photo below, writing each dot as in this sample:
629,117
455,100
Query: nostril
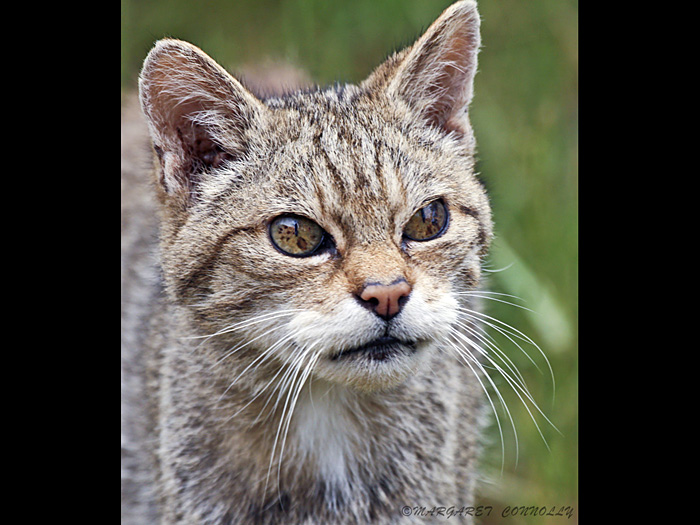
385,300
372,302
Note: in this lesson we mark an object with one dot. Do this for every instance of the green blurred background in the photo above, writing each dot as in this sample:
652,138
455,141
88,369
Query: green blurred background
525,115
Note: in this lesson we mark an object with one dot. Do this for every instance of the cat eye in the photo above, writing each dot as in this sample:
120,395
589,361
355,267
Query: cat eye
296,236
427,223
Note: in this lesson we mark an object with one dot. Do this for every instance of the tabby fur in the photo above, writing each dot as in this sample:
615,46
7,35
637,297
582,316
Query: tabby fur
243,411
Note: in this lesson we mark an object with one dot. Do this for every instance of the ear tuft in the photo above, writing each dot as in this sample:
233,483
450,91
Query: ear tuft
197,114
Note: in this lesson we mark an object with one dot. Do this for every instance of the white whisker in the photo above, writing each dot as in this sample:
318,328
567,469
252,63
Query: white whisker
293,376
518,389
483,294
232,351
300,385
491,344
261,357
498,270
468,333
507,330
248,322
467,356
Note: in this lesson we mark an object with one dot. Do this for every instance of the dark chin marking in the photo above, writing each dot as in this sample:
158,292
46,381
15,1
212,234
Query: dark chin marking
380,349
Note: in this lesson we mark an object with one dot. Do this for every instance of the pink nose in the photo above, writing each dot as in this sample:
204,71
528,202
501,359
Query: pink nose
386,300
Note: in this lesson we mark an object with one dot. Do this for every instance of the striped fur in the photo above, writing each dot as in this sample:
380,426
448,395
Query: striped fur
256,418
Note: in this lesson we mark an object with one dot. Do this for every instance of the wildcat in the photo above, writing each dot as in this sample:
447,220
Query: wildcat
303,353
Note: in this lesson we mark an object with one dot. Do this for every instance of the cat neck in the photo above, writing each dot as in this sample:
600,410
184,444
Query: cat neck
342,444
320,431
321,447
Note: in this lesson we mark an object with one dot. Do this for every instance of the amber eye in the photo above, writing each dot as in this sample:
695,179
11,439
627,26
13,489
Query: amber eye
427,223
296,236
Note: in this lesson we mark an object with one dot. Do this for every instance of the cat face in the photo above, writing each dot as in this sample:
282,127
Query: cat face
331,230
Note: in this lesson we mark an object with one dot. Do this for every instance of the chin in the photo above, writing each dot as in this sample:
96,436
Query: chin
381,364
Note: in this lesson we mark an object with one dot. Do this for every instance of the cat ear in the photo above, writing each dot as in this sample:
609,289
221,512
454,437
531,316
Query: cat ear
197,114
435,76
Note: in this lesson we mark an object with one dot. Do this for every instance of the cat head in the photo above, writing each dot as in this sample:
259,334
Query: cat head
330,229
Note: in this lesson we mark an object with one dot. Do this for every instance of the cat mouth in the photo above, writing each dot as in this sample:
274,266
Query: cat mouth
380,349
